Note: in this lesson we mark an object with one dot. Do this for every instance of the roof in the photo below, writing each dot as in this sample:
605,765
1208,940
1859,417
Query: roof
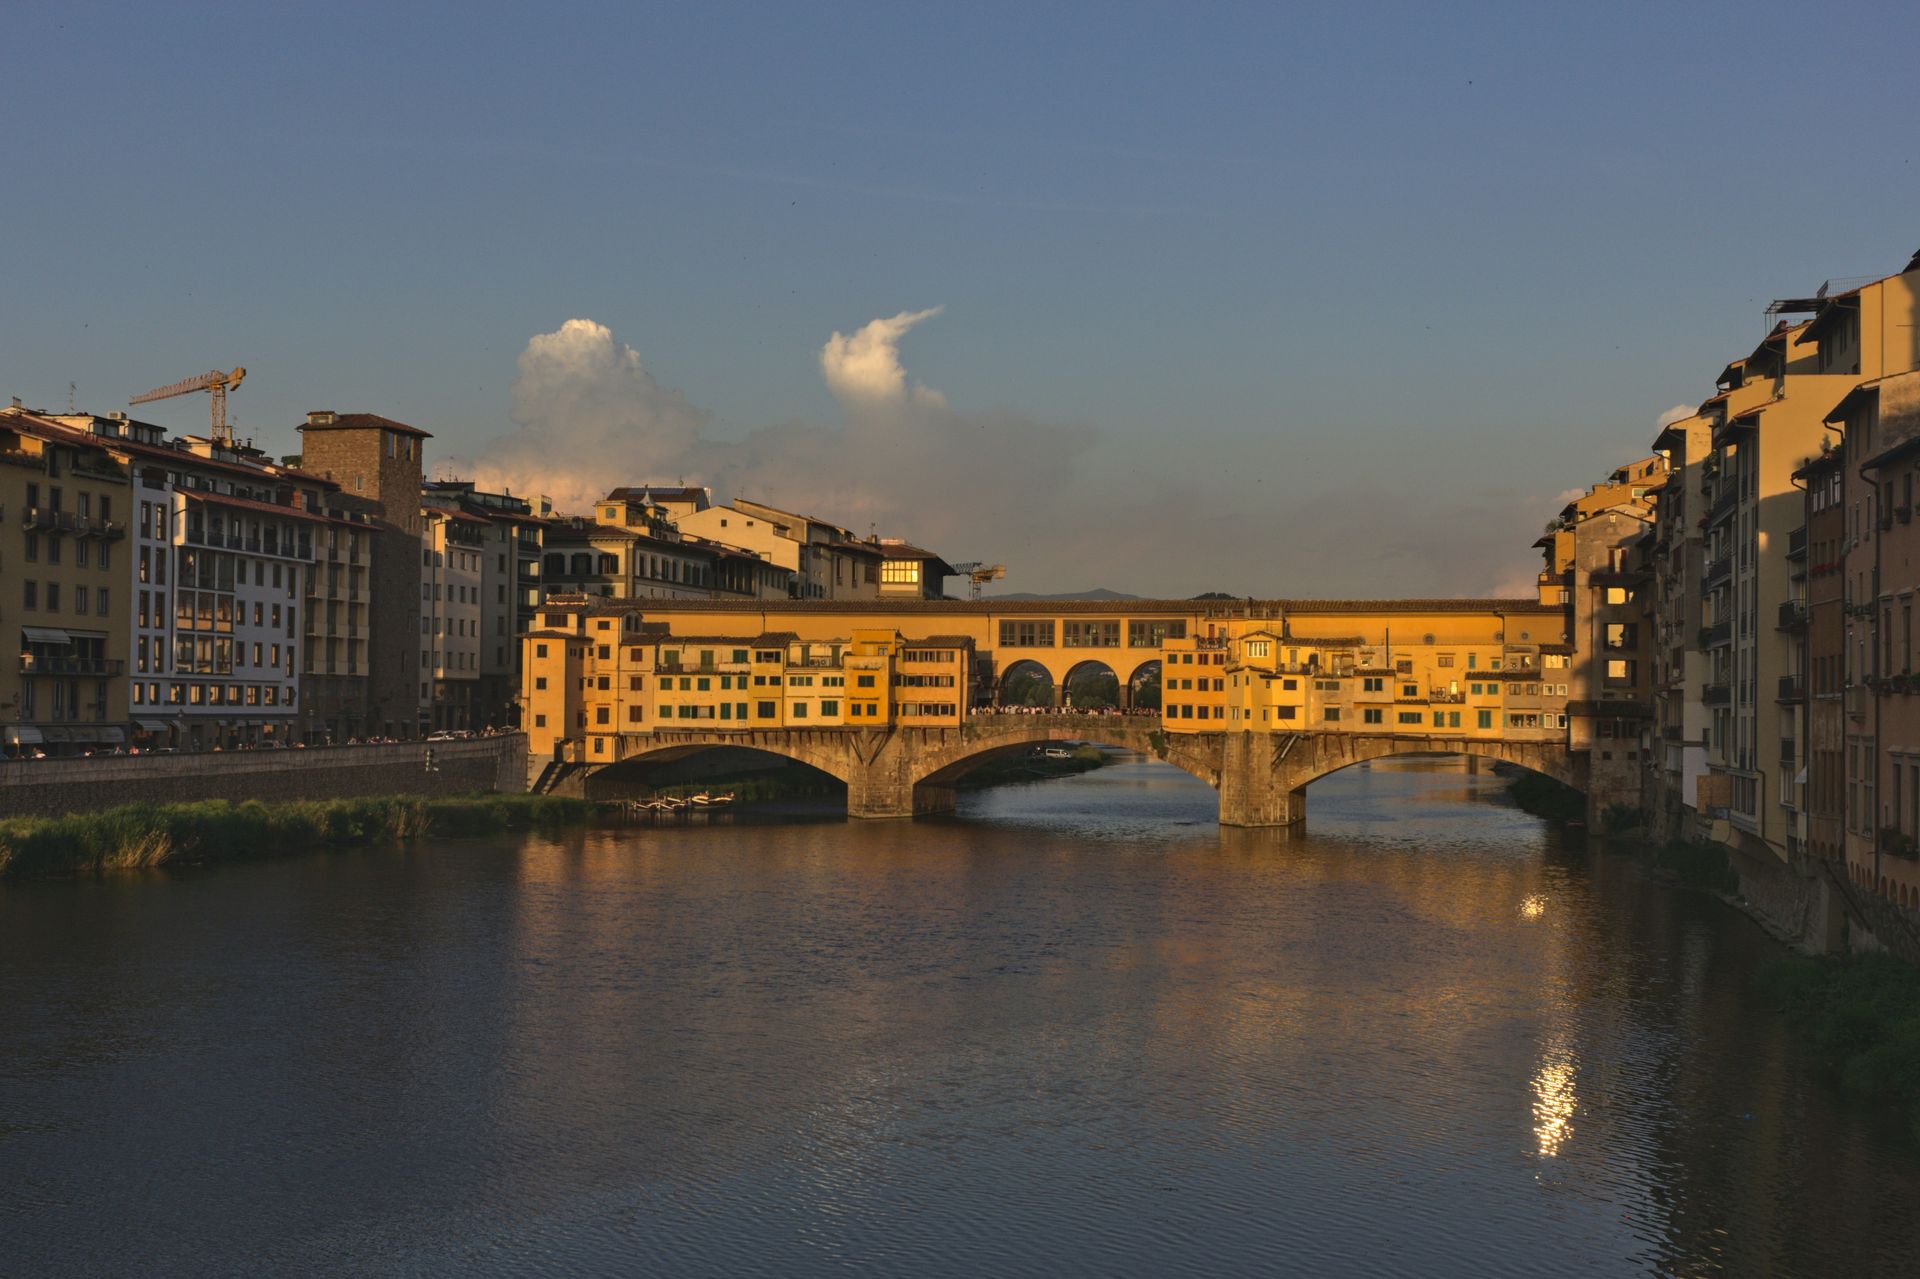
1893,453
894,549
1833,308
1853,399
1222,610
363,422
766,639
247,503
659,492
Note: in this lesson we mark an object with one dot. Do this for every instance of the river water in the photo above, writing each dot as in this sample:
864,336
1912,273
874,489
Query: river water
1075,1029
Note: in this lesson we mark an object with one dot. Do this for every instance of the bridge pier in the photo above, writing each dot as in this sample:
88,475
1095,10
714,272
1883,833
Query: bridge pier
1256,789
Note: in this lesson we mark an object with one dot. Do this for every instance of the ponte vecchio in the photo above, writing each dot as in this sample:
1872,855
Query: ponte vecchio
1258,698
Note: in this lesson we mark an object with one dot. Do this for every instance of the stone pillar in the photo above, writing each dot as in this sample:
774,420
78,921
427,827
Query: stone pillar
879,782
1253,791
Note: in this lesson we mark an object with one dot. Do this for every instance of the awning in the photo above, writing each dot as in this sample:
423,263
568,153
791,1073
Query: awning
57,734
24,735
105,735
45,635
152,725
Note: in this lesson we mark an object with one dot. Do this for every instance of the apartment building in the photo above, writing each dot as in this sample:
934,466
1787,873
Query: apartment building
1816,616
64,505
832,563
452,558
336,661
376,464
1675,559
1767,418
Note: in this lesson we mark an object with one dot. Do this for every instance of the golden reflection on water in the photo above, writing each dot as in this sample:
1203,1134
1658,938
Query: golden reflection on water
1533,907
1553,1101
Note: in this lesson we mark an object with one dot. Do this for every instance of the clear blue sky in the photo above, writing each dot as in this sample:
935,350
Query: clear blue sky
1378,282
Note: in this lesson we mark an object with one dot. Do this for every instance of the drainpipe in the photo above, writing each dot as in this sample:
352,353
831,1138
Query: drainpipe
1873,823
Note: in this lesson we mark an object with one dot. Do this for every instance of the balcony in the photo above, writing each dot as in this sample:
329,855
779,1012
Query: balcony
1793,615
1717,695
1441,697
1790,689
1722,507
103,667
1716,635
1717,572
1797,544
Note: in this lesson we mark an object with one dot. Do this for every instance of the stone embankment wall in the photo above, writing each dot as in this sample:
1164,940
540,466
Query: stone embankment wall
49,788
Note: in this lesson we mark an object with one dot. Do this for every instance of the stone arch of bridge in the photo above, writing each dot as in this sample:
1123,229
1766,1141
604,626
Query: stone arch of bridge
1331,752
821,751
943,766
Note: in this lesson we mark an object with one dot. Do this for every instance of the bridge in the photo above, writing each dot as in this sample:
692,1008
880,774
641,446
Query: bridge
898,700
1262,779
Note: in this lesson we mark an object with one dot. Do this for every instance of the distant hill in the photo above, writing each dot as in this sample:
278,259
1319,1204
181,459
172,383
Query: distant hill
1098,593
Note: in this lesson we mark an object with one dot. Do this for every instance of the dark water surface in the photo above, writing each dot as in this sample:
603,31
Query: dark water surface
1078,1029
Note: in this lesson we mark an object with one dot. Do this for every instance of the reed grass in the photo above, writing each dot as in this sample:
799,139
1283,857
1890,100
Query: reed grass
142,836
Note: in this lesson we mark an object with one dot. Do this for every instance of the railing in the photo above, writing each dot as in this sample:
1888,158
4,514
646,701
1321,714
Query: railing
1717,634
1796,543
1793,615
1723,506
101,666
1442,697
1716,694
1790,690
1717,572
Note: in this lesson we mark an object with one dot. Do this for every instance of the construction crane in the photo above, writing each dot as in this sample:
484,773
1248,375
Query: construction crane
979,574
216,384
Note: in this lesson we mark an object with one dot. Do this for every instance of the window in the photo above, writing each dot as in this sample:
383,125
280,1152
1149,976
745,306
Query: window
1092,634
1371,715
1026,634
829,707
863,681
1409,717
766,710
900,573
1331,714
1151,634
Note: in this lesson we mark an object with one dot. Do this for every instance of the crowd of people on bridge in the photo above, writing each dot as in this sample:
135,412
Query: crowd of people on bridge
1110,712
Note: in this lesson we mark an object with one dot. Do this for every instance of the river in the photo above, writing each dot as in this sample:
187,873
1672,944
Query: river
1076,1028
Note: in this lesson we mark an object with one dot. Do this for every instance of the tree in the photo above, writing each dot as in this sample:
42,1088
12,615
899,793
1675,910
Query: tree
1027,687
1094,690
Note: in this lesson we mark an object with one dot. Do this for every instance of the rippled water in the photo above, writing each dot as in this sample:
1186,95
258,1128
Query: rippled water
1077,1028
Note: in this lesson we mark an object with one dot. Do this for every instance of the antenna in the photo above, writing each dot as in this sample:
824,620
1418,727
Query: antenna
71,388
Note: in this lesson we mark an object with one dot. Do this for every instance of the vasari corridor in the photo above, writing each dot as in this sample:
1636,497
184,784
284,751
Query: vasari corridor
960,640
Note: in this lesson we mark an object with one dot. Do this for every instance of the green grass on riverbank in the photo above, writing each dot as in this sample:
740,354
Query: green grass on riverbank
1862,1017
148,835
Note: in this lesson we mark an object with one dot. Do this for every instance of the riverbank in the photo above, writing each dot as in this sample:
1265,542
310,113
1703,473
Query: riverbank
144,836
1861,1016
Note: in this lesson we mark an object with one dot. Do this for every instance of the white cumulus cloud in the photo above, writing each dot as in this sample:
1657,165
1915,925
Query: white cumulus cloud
863,369
1678,413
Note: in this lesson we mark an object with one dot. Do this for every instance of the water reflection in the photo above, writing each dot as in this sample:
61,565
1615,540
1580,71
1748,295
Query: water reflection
1078,1027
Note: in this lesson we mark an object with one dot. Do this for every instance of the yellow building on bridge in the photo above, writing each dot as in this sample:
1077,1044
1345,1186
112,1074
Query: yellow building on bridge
605,678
